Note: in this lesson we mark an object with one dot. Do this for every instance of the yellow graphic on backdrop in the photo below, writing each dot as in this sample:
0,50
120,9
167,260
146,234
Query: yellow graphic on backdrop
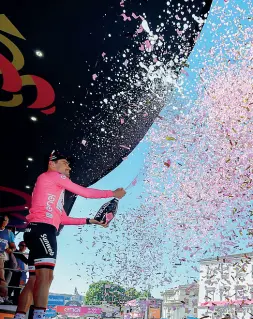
45,92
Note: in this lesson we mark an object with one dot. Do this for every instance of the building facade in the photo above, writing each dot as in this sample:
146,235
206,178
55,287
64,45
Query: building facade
226,287
180,302
150,308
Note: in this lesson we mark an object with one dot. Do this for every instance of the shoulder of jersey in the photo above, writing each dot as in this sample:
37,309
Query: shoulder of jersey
52,174
57,174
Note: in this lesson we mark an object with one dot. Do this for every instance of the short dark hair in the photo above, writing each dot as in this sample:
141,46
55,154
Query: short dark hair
2,218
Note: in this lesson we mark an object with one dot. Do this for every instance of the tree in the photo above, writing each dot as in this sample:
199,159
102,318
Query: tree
131,294
145,294
105,291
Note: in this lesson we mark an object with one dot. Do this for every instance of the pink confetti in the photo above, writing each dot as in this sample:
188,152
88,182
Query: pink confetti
94,76
168,163
134,182
148,44
177,17
135,16
103,54
179,32
124,158
122,3
126,147
140,29
84,142
184,72
155,60
142,48
122,121
125,17
197,37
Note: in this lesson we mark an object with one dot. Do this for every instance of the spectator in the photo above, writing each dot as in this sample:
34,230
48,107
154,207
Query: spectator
7,246
18,278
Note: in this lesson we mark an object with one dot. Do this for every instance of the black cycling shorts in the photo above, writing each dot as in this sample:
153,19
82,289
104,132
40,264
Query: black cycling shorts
41,240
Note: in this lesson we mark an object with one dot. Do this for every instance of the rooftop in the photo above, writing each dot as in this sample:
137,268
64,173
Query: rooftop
227,259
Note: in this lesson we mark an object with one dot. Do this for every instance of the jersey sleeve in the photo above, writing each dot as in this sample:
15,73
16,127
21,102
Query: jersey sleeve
66,220
11,237
63,181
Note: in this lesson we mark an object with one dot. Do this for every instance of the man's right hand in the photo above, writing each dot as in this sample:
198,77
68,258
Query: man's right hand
119,193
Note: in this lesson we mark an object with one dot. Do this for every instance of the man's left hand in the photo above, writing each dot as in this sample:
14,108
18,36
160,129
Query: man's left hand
96,222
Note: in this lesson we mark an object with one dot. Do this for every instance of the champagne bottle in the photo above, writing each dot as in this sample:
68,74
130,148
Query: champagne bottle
107,211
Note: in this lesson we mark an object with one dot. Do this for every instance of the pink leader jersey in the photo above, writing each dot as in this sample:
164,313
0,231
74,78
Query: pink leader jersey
48,199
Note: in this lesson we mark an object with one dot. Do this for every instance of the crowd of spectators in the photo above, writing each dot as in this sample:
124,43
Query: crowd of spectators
13,264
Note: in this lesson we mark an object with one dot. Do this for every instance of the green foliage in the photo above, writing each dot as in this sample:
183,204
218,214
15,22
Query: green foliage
110,293
131,294
145,294
104,291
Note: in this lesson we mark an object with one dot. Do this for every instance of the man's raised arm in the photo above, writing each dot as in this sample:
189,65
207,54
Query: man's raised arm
66,183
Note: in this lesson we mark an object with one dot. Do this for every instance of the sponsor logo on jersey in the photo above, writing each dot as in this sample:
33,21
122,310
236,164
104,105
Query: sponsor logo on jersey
46,244
50,201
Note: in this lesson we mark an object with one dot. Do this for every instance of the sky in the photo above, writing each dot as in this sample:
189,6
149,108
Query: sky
76,250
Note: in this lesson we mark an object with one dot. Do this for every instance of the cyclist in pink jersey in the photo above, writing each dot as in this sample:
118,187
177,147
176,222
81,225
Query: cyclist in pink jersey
45,216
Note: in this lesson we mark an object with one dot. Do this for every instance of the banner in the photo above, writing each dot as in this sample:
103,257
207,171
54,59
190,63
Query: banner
50,313
79,311
56,300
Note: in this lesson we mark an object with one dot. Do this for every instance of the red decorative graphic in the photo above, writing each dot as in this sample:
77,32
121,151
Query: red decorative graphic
45,93
11,79
25,196
49,111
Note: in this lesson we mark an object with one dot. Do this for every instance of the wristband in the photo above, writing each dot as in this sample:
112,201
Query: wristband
88,221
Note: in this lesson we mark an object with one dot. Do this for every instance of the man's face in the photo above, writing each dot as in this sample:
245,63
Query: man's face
62,166
22,247
5,221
